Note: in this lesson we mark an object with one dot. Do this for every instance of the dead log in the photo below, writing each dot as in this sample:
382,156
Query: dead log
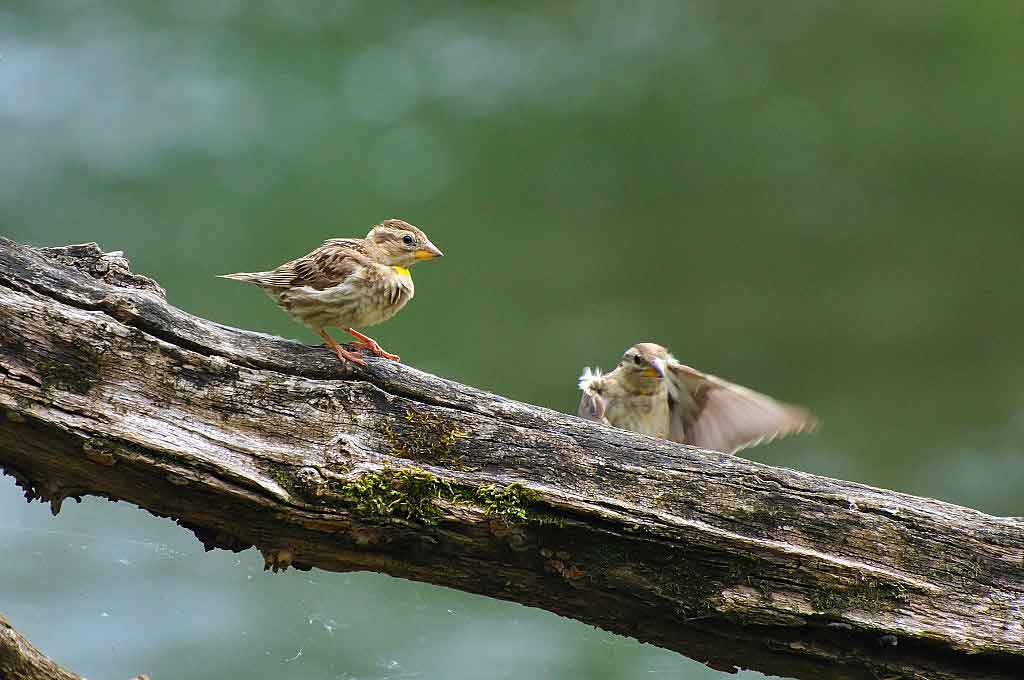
252,440
20,660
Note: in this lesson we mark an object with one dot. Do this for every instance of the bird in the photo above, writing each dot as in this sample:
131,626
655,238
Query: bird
650,392
349,283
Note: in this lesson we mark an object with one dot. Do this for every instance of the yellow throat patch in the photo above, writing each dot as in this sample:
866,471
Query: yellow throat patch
402,271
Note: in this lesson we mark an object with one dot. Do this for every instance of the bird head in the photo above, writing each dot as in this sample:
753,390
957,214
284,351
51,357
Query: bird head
395,242
644,364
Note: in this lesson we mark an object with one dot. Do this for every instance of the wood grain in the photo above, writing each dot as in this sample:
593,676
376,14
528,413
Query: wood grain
252,440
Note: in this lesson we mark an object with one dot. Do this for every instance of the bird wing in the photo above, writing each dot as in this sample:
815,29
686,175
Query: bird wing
712,413
331,264
592,403
334,262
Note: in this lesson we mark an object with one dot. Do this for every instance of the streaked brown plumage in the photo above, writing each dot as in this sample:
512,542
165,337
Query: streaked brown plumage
349,283
652,393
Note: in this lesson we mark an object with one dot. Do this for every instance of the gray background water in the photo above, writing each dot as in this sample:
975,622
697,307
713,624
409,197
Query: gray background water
823,201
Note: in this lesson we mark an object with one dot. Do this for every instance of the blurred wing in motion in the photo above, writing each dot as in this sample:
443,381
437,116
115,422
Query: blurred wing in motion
711,413
591,403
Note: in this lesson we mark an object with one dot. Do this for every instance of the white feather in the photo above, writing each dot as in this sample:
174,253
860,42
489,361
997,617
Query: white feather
589,377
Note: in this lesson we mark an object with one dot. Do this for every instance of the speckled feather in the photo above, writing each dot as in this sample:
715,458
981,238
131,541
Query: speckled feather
346,282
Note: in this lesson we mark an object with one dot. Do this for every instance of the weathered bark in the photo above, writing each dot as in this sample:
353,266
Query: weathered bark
248,440
20,660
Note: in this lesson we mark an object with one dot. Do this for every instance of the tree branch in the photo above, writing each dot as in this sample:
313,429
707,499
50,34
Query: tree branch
20,660
247,439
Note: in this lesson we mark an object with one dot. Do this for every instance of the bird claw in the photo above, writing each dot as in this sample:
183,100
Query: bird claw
344,355
347,356
377,351
371,345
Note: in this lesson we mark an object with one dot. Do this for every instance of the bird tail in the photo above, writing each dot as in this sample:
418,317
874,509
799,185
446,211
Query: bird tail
249,277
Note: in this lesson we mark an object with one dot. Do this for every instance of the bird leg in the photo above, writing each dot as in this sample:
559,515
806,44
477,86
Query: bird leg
370,344
343,354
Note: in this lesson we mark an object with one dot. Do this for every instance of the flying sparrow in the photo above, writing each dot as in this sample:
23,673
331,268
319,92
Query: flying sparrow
651,393
349,282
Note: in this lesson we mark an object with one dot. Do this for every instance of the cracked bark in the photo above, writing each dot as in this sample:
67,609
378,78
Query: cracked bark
252,440
20,660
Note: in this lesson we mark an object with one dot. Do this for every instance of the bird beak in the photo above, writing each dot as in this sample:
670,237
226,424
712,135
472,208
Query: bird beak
656,369
428,252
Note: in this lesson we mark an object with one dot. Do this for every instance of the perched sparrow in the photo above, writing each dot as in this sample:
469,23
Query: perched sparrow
349,282
652,393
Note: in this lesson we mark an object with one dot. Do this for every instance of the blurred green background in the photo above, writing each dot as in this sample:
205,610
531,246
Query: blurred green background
824,201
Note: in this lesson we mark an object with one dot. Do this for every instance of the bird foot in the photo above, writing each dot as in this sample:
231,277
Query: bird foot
371,345
344,355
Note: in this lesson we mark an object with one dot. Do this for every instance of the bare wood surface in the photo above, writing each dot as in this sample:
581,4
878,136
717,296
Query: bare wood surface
248,439
20,660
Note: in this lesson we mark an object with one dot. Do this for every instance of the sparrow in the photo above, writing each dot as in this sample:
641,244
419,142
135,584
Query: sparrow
651,393
349,283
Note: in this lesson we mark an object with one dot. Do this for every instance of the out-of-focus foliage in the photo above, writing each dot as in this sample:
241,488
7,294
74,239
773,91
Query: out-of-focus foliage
821,200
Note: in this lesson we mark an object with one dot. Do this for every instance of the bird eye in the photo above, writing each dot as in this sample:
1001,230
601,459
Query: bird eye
408,240
637,359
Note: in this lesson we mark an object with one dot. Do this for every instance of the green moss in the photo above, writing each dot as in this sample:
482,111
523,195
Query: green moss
692,581
693,598
865,596
427,438
304,481
830,598
281,478
691,585
742,570
78,378
411,493
509,503
545,519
